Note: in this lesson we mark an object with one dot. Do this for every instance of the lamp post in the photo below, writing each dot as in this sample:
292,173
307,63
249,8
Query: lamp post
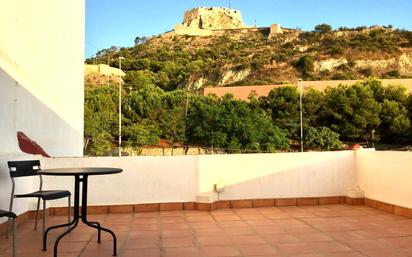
120,107
301,114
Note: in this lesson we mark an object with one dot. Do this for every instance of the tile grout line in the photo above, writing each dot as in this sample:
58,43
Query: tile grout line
90,239
127,235
194,237
256,233
336,240
283,230
230,236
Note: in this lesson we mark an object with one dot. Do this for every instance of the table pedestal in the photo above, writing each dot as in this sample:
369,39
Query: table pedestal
76,217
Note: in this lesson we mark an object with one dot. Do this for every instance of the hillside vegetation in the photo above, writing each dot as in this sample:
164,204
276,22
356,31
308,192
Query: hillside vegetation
252,58
156,103
365,112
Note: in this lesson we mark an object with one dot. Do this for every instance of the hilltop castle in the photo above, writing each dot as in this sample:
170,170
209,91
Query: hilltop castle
215,21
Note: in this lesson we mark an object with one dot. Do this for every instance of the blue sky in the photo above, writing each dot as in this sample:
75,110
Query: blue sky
118,22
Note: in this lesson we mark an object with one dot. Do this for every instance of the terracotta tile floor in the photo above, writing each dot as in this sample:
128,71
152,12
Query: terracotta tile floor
314,231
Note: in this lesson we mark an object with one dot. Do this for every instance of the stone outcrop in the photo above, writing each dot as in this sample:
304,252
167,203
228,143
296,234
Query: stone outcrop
234,75
402,63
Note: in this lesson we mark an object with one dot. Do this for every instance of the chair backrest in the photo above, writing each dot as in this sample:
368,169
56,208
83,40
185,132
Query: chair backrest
23,168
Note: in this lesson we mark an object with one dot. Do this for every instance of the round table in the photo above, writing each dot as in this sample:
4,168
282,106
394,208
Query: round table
80,175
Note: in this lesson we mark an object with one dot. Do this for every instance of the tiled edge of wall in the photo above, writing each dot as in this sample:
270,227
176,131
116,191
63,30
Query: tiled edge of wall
246,203
390,208
249,203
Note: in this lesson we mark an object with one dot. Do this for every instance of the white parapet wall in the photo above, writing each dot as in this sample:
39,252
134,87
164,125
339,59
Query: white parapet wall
280,175
383,176
386,176
183,178
143,180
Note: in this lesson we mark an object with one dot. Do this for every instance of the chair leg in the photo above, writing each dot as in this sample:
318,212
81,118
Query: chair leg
14,237
37,214
10,210
8,227
69,211
44,216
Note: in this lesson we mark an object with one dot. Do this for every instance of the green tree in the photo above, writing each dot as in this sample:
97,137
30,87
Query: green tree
139,134
139,79
141,114
100,144
251,129
173,119
351,111
140,40
100,119
282,104
396,93
323,28
203,125
232,125
144,103
394,114
313,103
395,120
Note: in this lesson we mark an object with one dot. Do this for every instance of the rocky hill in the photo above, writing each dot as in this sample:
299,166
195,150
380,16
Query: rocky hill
249,56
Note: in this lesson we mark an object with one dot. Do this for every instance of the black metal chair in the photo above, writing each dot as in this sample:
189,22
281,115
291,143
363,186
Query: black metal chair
12,216
30,168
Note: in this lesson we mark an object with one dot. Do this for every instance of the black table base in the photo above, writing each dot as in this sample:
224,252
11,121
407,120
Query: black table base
76,217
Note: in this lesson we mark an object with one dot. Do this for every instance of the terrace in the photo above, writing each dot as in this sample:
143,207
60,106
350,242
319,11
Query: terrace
329,230
347,203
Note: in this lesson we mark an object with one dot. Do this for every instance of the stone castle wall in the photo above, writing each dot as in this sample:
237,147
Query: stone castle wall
217,21
181,29
101,74
203,21
275,29
102,69
213,18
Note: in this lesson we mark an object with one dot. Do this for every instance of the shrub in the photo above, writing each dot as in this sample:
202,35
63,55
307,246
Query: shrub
342,76
366,72
322,138
305,65
392,74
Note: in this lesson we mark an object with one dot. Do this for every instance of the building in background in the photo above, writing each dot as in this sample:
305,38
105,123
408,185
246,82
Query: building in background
243,92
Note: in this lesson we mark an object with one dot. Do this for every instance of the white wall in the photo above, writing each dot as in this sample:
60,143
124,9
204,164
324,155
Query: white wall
41,74
281,175
41,83
144,179
386,176
182,178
